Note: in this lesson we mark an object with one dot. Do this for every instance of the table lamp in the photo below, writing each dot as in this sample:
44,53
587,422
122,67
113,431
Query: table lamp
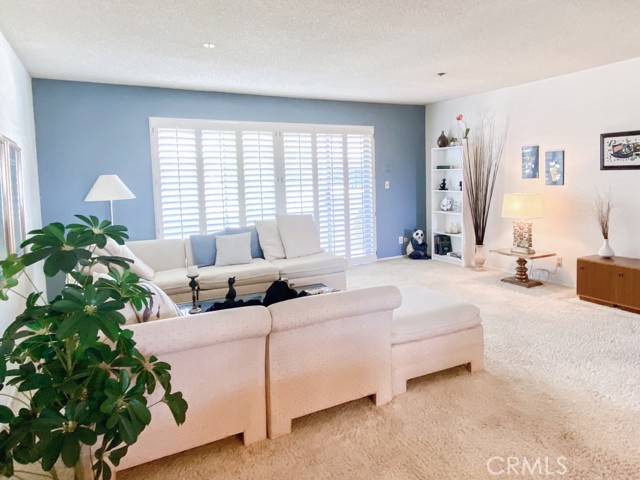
109,188
522,207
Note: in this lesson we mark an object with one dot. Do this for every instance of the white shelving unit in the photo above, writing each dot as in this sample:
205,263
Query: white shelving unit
447,164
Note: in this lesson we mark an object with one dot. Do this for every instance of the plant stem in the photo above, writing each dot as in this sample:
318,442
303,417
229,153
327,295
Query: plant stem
54,473
15,398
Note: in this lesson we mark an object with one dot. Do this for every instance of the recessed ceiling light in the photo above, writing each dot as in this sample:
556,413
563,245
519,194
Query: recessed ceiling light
208,45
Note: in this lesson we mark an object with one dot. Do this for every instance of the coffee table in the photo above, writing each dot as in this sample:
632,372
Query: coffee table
204,305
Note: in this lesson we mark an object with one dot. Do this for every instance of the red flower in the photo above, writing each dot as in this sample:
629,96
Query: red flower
459,117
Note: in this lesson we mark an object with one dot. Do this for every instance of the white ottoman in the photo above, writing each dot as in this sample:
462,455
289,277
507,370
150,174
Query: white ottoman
430,332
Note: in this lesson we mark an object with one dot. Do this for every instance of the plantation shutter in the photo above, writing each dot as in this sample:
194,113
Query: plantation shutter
299,168
221,181
259,175
332,199
210,175
361,206
177,176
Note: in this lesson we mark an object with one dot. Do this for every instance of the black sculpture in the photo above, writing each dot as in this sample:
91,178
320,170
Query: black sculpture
231,294
443,185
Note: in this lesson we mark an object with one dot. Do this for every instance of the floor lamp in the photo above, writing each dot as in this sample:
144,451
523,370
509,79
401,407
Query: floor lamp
109,188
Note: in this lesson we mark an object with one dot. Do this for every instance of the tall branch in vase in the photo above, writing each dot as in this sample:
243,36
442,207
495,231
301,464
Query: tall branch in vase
481,166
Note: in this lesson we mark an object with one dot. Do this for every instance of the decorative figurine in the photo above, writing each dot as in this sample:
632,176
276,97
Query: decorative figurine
443,185
460,184
231,294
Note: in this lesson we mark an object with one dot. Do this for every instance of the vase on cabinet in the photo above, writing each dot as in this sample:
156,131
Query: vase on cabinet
479,257
605,250
442,141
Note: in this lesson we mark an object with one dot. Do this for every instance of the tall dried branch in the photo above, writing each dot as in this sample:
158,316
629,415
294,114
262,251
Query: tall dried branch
602,206
481,167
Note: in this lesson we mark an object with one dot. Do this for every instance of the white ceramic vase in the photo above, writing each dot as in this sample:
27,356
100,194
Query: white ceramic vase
605,250
479,257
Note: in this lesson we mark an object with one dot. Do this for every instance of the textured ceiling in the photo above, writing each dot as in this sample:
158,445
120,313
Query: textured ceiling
367,50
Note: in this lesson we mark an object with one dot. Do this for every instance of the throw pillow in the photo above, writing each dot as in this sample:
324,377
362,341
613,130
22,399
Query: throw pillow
203,248
256,251
233,249
270,241
138,267
299,235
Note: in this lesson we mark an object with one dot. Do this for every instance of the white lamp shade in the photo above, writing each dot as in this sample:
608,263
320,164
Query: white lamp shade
522,205
108,187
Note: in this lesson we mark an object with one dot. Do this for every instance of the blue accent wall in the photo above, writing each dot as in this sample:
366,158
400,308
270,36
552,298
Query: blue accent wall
87,129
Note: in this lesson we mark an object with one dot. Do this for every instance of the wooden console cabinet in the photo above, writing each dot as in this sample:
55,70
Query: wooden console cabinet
610,281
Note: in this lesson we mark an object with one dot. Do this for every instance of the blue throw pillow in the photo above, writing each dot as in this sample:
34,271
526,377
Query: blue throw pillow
203,248
256,251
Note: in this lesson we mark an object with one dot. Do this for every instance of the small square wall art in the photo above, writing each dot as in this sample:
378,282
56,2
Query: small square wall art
530,161
554,167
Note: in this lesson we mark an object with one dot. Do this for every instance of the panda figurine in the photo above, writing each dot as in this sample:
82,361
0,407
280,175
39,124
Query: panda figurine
417,247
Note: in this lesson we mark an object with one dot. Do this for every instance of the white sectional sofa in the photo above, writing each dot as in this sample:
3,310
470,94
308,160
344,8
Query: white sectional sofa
169,260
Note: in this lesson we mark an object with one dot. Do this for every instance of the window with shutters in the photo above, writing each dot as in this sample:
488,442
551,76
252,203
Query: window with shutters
209,175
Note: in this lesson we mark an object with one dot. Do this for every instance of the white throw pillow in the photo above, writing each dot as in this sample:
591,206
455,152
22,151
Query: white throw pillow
299,235
270,241
138,267
159,306
233,249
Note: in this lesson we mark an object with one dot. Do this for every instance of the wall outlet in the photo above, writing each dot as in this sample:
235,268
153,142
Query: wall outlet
400,240
387,185
559,262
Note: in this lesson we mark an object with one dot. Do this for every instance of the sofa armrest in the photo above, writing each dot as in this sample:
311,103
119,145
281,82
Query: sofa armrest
162,337
314,309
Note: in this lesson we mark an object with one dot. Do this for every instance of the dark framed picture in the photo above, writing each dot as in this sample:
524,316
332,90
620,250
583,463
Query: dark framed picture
620,150
554,167
530,161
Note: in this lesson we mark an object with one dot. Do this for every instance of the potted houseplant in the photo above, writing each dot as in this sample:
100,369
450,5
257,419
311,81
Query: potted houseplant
78,381
602,207
481,165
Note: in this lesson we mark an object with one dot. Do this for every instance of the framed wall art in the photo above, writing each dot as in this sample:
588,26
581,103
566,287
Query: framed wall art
530,162
620,150
554,167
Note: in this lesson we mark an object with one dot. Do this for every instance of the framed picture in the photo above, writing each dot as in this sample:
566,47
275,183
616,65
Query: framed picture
530,161
554,167
620,150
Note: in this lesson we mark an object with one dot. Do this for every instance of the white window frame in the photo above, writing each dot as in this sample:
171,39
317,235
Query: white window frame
14,229
277,128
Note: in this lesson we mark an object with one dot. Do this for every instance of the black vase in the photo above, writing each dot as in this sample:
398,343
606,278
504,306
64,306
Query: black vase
443,141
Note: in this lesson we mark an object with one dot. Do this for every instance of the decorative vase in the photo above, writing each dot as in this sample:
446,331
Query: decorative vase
479,257
605,250
443,141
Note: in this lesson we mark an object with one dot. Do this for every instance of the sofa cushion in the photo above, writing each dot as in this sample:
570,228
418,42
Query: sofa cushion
159,306
318,264
203,248
233,249
299,235
161,253
425,313
270,241
173,281
256,251
139,267
258,271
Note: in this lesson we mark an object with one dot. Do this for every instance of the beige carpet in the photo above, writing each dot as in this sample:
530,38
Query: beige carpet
562,379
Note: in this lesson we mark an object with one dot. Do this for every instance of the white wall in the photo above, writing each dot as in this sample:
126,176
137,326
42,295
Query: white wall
17,124
568,113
